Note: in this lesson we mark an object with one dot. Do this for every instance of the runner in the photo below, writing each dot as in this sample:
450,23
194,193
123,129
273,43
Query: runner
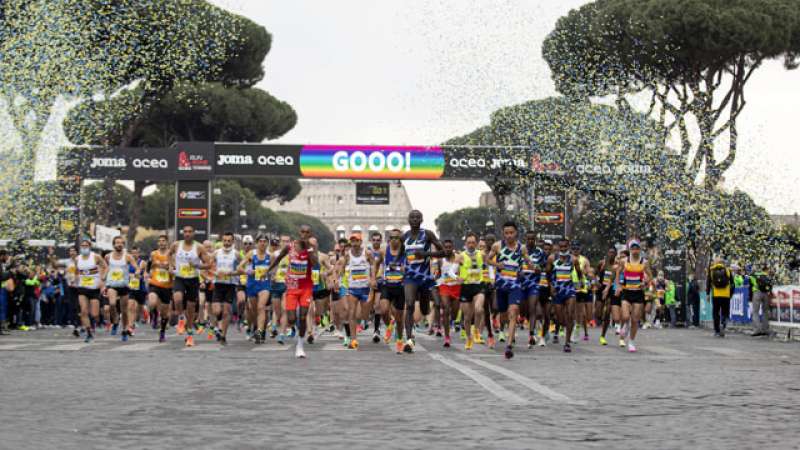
244,310
562,288
531,279
449,285
607,309
483,307
136,286
582,297
543,308
660,285
206,293
360,266
302,254
226,270
255,265
320,276
161,283
117,280
417,278
374,302
71,277
277,290
339,312
390,264
472,262
508,257
92,270
635,272
187,258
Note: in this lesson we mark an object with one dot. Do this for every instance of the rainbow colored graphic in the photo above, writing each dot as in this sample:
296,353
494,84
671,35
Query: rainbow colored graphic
371,162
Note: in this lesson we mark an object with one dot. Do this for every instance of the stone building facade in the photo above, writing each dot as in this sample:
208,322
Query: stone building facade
334,203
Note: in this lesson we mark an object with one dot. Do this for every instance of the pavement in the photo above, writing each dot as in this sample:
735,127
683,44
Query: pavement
683,389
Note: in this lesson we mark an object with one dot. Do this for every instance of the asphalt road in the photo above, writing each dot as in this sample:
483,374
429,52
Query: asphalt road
683,389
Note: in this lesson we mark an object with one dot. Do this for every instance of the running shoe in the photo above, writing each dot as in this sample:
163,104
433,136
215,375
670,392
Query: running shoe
161,337
324,322
273,332
89,339
338,334
114,329
509,352
293,332
76,333
200,328
376,337
359,329
463,335
555,339
310,338
218,334
223,341
181,328
501,336
281,339
542,341
211,333
567,348
124,335
190,341
478,339
586,337
621,342
256,338
468,344
573,339
353,344
438,332
631,347
547,337
616,329
299,353
398,346
346,341
603,341
387,336
447,342
531,342
409,346
491,342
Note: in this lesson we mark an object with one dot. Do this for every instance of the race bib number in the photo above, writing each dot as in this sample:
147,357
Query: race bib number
187,271
162,276
134,284
243,279
261,273
87,282
315,276
117,275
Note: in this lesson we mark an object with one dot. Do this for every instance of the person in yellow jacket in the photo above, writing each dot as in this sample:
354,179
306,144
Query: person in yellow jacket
719,286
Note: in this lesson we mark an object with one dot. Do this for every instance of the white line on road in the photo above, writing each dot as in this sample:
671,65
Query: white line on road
722,351
138,347
269,348
12,346
202,348
525,381
663,351
67,347
484,381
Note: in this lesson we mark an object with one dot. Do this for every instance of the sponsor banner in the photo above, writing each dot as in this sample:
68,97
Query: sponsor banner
740,305
372,193
193,201
104,237
371,162
785,304
155,164
195,160
484,163
257,160
549,218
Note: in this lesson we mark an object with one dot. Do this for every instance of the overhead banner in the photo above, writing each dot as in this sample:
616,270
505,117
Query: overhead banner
371,162
193,206
248,160
192,161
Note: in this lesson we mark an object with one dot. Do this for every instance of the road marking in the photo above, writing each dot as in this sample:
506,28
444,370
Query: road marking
525,381
67,347
202,348
663,351
333,347
12,346
722,351
138,347
484,381
269,348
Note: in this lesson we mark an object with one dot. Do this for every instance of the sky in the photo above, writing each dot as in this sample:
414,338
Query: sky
423,71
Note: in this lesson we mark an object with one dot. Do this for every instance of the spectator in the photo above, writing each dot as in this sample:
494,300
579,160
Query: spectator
719,286
669,301
693,303
30,298
761,286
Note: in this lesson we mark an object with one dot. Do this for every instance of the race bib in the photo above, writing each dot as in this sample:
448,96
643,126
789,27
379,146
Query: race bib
187,271
117,275
315,276
87,282
162,276
261,273
134,284
243,279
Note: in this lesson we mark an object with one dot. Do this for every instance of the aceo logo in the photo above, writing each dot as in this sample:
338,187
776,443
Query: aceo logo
113,163
152,163
331,161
